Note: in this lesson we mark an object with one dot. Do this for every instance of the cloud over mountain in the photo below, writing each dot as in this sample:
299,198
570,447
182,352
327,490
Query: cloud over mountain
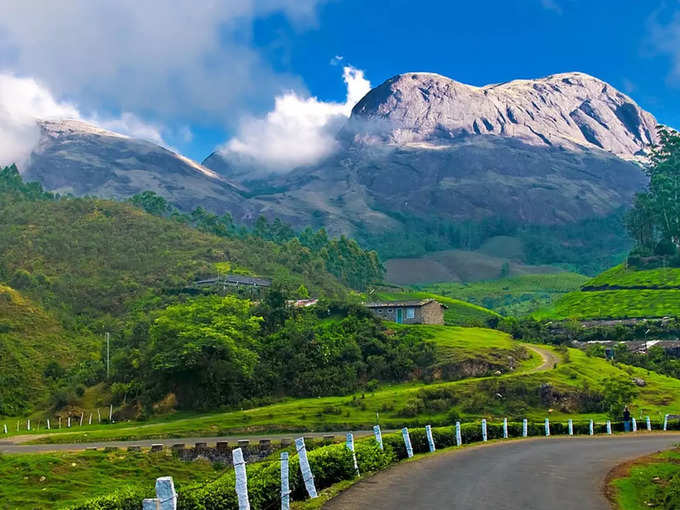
299,131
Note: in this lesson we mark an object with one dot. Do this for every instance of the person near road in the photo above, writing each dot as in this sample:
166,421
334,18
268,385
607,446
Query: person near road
626,419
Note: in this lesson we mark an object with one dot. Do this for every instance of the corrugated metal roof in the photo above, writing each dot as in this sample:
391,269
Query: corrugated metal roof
398,304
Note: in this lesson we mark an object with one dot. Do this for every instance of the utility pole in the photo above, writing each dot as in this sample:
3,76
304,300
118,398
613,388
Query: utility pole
108,341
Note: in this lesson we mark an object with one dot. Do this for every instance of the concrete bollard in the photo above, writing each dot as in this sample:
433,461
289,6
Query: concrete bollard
570,427
505,428
485,437
241,480
28,425
430,439
665,423
48,424
307,476
350,446
285,442
459,437
649,424
525,428
378,436
155,448
285,486
134,448
221,446
68,422
634,425
243,444
166,497
407,442
265,445
177,448
5,428
591,428
547,427
609,427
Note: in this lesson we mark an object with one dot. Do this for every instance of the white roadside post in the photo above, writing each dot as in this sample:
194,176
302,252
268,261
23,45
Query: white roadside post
484,434
665,423
430,439
5,427
571,427
505,428
634,425
241,479
649,424
48,424
407,442
99,416
60,422
68,422
111,414
285,485
591,428
28,424
378,436
89,421
166,497
306,471
609,427
350,447
82,415
459,436
525,428
547,427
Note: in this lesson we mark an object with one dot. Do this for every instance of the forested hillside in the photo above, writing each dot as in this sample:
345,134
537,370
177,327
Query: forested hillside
74,268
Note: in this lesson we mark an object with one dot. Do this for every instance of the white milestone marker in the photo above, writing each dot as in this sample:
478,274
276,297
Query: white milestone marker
407,442
609,427
634,425
571,427
350,447
241,479
378,436
525,428
649,424
665,423
430,439
591,428
547,427
459,436
306,471
484,434
505,428
285,486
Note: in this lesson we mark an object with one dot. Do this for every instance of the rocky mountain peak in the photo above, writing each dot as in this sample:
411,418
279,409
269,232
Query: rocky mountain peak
572,110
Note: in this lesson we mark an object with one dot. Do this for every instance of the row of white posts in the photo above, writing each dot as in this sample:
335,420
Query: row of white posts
166,497
68,421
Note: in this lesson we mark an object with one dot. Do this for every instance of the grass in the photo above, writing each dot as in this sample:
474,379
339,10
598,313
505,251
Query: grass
415,403
57,480
459,313
518,295
620,276
615,304
649,482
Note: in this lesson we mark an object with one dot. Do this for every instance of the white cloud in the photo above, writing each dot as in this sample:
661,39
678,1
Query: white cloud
179,61
25,100
665,38
299,131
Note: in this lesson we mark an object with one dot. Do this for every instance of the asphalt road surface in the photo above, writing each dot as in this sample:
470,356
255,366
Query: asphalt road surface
11,445
551,474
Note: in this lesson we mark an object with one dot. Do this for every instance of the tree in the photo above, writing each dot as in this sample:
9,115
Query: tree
618,393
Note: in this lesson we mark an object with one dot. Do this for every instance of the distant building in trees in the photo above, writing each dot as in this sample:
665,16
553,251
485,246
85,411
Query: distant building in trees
423,311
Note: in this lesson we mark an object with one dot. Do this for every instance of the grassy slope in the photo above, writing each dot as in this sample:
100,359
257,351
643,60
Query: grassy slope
518,295
459,312
57,480
359,411
29,339
646,484
622,293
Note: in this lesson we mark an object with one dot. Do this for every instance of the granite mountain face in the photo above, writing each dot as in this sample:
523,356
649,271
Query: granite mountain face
550,151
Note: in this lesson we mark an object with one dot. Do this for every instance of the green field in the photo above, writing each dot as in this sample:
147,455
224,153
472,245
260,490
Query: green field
57,480
652,482
459,313
517,296
620,276
615,304
418,403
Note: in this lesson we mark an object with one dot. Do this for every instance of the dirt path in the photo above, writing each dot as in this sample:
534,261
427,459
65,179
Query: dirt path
550,359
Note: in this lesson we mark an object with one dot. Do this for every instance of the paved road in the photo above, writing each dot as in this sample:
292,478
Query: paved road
536,474
9,446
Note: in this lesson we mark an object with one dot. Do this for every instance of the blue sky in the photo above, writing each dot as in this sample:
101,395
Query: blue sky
198,74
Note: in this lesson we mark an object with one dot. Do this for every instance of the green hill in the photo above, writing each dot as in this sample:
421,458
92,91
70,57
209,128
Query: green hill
621,293
517,295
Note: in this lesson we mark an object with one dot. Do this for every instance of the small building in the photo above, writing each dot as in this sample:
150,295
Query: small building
423,311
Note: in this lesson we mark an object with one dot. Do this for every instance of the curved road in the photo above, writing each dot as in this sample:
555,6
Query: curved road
536,474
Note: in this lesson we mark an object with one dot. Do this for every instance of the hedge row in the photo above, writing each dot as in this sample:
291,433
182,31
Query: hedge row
332,464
